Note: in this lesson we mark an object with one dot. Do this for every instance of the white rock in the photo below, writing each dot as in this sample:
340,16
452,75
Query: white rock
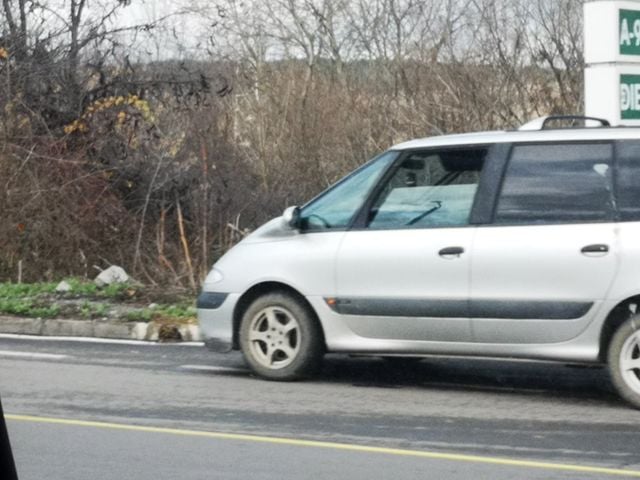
63,287
152,306
113,274
190,333
139,331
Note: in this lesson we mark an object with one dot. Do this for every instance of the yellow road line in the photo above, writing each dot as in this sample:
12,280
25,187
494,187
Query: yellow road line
335,446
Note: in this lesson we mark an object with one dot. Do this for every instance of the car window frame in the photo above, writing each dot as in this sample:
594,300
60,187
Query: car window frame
616,178
476,215
612,214
344,179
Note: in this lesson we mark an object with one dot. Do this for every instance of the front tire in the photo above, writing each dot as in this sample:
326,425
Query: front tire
280,338
623,360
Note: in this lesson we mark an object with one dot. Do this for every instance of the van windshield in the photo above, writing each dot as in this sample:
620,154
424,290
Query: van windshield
335,208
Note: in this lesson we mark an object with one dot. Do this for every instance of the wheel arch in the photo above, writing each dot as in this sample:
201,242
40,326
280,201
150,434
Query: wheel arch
616,317
261,289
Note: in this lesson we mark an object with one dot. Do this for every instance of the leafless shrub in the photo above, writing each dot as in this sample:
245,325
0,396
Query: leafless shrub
109,157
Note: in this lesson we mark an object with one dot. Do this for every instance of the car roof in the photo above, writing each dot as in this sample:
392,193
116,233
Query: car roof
524,136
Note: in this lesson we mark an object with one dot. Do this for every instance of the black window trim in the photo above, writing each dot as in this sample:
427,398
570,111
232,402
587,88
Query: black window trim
616,178
612,214
491,179
490,185
615,164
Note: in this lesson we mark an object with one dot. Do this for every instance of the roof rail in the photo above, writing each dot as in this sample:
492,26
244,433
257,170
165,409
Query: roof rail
542,122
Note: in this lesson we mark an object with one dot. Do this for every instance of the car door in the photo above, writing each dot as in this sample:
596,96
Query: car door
403,273
540,271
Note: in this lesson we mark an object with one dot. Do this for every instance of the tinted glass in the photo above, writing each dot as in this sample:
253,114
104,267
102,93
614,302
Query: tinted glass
556,184
429,189
335,208
628,180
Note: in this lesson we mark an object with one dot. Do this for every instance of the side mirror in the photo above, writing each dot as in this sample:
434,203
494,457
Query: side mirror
291,217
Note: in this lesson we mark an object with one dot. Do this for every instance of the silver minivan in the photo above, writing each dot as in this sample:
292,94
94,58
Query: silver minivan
520,244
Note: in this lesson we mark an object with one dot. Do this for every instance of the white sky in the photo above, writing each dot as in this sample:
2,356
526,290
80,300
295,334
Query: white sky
182,32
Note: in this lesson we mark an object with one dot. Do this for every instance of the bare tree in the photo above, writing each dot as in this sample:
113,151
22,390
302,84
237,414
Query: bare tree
161,161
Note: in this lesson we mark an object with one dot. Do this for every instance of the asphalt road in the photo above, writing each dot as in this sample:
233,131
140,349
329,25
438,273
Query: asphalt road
90,410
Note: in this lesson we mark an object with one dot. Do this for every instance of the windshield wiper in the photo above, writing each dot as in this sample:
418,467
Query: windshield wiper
415,220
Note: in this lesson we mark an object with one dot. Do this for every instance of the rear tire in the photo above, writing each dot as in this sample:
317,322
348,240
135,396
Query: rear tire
280,338
623,360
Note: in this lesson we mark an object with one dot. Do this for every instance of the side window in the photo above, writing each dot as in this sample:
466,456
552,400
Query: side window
628,180
429,189
335,207
554,183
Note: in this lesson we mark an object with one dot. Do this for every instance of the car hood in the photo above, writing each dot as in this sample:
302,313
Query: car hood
273,231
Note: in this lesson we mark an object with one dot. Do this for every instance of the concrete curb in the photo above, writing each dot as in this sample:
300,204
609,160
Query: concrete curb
92,328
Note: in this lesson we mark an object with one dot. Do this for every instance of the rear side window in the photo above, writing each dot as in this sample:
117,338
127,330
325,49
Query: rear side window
628,180
553,183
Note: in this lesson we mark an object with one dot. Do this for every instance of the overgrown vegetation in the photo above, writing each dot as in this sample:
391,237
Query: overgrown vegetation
159,162
77,288
85,300
27,307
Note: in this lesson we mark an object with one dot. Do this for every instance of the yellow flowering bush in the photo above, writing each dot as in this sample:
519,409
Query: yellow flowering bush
126,107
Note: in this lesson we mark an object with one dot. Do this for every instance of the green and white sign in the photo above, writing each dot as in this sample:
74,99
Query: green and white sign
630,97
612,55
629,32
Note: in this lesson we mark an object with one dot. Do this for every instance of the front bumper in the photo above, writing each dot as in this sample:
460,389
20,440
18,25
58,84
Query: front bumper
215,316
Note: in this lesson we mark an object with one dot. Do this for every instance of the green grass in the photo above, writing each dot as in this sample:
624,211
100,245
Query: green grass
42,300
78,287
26,307
90,289
142,315
177,311
22,299
93,310
17,290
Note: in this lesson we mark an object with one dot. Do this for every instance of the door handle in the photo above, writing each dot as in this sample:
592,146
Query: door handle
595,248
451,251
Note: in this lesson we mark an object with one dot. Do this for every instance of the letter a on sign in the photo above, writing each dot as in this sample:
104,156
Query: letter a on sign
625,38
